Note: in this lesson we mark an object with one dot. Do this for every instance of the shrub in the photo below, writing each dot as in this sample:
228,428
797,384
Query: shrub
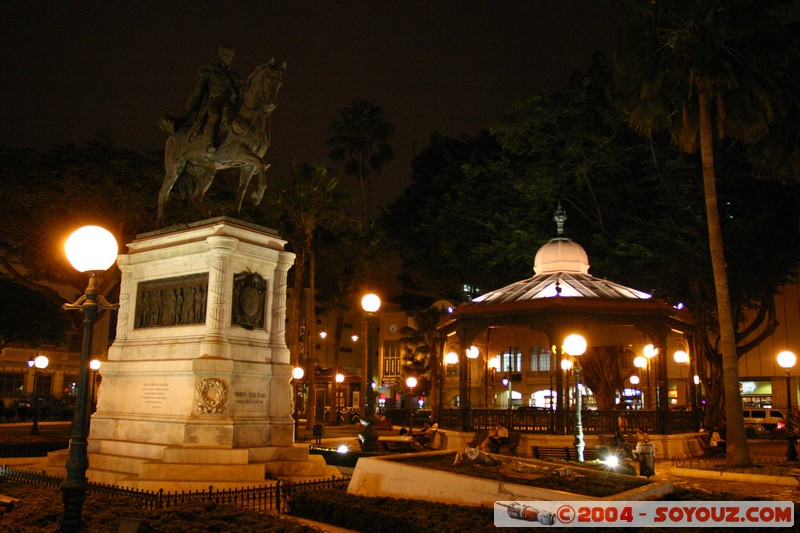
393,515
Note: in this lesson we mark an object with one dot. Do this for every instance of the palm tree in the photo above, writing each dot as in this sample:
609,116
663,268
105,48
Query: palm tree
307,202
360,138
703,69
426,343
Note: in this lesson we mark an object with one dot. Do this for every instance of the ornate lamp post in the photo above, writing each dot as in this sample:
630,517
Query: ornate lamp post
575,346
90,249
40,363
787,360
370,303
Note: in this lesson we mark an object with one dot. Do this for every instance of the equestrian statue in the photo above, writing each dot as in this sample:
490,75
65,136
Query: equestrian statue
224,125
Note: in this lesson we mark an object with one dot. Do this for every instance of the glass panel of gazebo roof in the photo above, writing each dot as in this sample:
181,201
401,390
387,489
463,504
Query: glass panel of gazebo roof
571,285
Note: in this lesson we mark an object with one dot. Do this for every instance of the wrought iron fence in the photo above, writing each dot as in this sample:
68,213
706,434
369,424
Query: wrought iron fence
272,498
553,421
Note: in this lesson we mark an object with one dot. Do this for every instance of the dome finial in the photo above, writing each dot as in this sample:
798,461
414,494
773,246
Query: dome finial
559,219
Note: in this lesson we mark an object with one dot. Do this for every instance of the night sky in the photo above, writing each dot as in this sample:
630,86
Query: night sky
72,69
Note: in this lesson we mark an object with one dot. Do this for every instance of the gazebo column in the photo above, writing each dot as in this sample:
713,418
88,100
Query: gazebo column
466,336
558,419
662,400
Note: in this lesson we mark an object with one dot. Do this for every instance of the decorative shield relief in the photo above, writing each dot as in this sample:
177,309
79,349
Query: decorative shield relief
249,295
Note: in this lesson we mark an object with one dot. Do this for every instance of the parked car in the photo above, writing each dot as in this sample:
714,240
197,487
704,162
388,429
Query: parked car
754,430
421,416
765,416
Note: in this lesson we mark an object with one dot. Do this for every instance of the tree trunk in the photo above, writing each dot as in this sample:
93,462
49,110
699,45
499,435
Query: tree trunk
737,452
435,366
311,332
602,374
294,310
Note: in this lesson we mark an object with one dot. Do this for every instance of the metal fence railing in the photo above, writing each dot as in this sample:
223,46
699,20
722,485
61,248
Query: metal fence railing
553,421
272,498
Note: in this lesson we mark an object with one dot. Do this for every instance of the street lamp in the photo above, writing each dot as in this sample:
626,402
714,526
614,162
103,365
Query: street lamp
40,363
575,346
90,249
649,352
472,353
411,382
641,363
682,358
339,381
94,364
297,375
634,381
787,360
566,366
370,303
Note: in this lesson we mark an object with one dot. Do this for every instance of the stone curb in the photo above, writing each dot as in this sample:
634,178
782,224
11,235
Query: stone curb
787,481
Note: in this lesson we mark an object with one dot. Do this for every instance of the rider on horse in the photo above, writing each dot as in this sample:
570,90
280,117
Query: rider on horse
213,103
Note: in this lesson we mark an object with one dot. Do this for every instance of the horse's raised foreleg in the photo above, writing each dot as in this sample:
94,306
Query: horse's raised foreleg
170,177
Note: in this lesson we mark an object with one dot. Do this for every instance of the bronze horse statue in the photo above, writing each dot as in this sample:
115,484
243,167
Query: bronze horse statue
242,145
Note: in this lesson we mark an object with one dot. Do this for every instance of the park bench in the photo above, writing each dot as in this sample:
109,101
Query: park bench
707,449
511,445
478,438
396,446
592,453
552,452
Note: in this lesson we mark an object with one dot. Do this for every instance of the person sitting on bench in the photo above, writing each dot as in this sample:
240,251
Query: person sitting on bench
716,440
501,439
619,440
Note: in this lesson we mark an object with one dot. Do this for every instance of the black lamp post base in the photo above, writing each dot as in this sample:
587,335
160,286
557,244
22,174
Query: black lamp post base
73,497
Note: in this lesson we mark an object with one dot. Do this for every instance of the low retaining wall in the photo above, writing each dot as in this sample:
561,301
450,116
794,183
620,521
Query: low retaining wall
385,476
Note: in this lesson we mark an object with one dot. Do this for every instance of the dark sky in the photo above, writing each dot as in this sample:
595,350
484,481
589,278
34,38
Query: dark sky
71,69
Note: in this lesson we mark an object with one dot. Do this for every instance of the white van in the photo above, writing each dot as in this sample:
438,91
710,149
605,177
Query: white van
764,416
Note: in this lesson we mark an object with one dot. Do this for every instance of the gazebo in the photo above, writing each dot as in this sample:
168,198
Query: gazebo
560,299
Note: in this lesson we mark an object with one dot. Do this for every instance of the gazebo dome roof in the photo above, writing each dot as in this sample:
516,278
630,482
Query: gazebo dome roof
561,255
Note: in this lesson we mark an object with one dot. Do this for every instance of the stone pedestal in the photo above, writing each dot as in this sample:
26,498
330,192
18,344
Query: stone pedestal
196,389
